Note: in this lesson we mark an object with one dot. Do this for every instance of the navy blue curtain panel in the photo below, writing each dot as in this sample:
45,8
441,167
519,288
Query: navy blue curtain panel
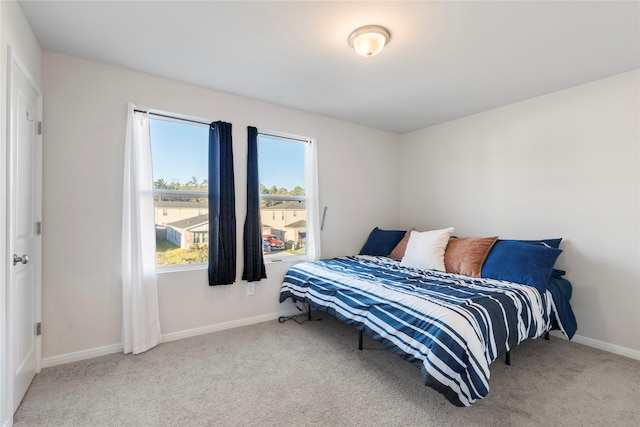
254,269
222,206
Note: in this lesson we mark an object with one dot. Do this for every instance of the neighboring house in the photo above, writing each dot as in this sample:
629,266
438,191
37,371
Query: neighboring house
299,229
168,212
189,232
286,220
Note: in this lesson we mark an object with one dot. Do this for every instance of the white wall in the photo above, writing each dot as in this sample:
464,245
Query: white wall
85,110
15,32
561,165
565,164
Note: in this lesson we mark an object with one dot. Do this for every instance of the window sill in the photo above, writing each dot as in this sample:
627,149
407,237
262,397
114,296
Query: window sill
287,259
195,267
178,268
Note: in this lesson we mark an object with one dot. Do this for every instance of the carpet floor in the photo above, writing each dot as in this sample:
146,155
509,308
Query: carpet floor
273,374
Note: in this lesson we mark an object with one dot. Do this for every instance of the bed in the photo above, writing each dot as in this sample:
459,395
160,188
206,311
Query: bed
451,326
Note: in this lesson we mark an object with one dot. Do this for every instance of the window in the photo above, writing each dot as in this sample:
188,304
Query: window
179,151
281,167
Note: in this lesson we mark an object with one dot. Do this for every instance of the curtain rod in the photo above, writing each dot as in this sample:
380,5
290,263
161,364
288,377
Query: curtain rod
264,133
167,116
286,137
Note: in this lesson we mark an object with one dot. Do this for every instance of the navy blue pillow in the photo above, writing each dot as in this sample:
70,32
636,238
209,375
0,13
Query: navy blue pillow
520,262
554,243
382,242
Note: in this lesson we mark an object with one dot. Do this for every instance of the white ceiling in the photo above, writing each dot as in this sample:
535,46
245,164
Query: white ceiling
445,59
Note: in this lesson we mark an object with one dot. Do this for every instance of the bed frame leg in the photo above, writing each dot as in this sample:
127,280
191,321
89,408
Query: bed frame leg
546,336
507,358
360,341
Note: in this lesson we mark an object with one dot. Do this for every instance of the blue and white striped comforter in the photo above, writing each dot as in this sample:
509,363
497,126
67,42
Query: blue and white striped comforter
450,326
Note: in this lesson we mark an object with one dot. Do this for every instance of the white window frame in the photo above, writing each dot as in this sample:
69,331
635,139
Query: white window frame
275,197
193,121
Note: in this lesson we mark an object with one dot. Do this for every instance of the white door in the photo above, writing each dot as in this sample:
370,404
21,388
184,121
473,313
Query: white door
23,214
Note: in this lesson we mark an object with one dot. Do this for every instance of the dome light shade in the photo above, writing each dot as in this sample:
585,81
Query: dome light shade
369,40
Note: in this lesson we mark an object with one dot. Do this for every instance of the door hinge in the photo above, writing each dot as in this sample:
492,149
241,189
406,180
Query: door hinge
38,329
39,228
39,128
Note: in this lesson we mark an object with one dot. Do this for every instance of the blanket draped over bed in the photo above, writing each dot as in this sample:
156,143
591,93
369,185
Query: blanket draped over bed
450,326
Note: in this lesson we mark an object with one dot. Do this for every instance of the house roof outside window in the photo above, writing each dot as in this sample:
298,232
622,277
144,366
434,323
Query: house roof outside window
290,205
190,223
298,224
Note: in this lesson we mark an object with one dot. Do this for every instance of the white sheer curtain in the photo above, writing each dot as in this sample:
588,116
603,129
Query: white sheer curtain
140,318
313,208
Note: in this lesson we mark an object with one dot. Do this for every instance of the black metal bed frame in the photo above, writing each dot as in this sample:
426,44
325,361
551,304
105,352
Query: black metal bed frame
507,356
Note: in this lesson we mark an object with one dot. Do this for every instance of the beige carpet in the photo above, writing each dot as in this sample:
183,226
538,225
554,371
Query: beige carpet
274,374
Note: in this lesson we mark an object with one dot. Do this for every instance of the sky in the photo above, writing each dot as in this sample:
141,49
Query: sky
179,152
281,163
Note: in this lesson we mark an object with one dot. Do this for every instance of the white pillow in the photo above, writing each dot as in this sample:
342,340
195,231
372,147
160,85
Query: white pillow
425,250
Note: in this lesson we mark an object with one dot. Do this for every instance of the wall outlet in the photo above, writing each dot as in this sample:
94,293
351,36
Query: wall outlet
251,288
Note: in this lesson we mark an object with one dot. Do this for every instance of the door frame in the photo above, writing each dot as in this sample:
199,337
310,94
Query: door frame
15,65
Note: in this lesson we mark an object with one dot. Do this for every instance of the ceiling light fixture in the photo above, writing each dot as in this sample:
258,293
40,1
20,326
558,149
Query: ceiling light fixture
369,40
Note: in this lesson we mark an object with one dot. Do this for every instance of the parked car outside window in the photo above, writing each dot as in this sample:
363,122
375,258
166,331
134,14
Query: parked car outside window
273,241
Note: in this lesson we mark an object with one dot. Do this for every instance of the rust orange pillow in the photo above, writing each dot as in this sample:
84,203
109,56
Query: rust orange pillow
398,252
466,255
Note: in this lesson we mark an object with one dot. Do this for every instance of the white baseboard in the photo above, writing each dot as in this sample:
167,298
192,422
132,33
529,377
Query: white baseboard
601,345
81,355
612,348
118,348
219,327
